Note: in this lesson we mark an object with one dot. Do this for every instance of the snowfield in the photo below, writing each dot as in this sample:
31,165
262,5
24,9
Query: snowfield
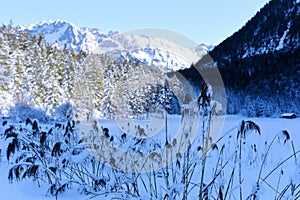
275,148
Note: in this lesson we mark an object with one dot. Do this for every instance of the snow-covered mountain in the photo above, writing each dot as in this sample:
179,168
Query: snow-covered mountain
67,35
275,28
260,63
145,49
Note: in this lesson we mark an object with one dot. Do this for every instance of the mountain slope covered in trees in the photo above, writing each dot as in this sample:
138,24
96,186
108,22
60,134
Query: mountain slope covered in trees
260,63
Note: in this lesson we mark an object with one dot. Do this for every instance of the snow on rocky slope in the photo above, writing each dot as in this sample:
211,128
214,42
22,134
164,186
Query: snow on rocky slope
145,49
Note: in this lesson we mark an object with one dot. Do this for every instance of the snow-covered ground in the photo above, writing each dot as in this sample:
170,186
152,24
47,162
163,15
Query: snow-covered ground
270,128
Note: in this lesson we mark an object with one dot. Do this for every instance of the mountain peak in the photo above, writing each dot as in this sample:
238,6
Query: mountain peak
47,23
134,47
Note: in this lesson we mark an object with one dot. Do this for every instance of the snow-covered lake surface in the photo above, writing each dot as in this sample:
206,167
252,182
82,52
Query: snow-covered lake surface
271,128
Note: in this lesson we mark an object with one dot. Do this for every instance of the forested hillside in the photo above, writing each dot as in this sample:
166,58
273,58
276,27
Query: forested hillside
35,74
260,63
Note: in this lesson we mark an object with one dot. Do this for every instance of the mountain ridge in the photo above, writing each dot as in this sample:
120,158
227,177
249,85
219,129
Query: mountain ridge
120,46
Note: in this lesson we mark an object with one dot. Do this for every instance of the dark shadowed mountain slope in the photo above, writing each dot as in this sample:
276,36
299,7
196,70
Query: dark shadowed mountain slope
260,63
274,28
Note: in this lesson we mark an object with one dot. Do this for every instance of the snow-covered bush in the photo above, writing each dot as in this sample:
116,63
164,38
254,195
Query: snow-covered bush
63,112
40,152
22,112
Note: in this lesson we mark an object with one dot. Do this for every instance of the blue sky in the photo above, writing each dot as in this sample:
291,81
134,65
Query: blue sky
199,20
